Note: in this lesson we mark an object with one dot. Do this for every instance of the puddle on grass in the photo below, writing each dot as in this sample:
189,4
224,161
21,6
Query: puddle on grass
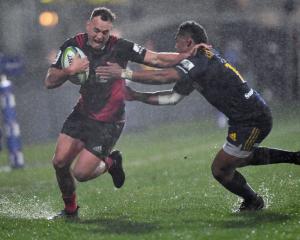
16,206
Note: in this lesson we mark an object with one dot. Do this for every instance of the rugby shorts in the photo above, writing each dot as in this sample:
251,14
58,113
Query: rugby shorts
99,137
241,140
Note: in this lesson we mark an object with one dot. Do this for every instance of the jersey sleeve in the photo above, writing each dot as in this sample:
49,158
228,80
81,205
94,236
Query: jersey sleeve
130,51
57,61
190,69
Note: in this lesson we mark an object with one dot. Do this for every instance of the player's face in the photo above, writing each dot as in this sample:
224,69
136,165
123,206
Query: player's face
98,32
183,43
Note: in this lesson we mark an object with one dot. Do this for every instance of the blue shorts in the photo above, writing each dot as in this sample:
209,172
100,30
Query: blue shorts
241,140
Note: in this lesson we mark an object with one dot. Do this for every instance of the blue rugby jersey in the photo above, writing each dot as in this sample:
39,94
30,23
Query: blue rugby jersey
222,86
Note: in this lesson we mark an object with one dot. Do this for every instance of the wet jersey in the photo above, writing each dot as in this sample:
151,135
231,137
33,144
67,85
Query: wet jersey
222,86
100,99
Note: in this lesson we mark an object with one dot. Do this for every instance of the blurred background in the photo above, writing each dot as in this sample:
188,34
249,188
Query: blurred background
259,37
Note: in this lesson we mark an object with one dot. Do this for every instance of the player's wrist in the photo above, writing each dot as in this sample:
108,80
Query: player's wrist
126,74
184,55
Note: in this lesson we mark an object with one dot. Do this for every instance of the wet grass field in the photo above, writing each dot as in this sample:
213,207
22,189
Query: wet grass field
169,192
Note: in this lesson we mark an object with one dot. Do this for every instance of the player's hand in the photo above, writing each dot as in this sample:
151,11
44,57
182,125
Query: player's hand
78,65
200,46
109,72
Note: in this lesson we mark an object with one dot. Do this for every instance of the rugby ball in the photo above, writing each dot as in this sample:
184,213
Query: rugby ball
66,60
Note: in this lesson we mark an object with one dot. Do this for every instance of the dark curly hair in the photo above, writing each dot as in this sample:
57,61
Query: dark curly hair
194,30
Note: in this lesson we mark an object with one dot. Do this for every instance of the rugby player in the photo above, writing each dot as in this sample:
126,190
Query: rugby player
96,122
249,117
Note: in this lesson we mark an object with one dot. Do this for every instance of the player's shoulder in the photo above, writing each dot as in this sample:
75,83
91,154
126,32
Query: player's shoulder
123,44
119,41
79,40
206,53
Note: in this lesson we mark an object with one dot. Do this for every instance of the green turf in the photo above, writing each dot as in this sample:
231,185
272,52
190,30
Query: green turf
169,192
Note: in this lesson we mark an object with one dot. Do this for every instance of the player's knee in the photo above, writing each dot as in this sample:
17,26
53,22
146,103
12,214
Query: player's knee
217,172
59,163
221,173
80,176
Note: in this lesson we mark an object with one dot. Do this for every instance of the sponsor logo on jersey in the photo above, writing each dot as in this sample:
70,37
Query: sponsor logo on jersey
249,94
232,136
137,48
187,64
97,149
57,57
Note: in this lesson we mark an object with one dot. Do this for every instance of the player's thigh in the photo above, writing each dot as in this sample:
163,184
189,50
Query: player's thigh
101,137
224,162
67,148
69,142
241,140
86,164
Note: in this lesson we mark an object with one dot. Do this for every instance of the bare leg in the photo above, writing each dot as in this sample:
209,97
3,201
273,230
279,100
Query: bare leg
88,166
67,149
224,170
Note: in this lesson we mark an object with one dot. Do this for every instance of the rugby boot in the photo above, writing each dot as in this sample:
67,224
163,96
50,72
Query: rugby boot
63,214
252,205
116,170
297,158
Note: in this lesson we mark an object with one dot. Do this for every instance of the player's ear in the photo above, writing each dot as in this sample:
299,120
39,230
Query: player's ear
189,42
88,23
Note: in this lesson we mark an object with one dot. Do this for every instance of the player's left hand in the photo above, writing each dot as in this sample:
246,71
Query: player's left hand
109,72
200,46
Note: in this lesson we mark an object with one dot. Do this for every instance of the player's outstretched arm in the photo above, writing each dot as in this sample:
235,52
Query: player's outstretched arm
169,59
154,77
169,97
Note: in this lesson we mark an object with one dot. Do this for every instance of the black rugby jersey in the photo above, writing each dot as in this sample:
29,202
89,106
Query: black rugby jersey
103,100
223,86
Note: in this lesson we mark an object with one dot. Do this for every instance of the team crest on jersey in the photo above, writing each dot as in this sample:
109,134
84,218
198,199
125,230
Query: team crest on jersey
187,64
137,48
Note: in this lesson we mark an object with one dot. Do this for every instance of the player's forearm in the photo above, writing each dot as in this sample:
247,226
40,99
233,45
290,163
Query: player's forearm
146,97
168,59
152,77
56,77
158,98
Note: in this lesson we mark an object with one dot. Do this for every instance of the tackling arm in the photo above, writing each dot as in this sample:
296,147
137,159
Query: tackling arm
163,59
169,97
168,59
157,76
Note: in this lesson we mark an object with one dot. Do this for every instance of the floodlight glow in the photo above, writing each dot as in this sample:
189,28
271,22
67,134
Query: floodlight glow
48,19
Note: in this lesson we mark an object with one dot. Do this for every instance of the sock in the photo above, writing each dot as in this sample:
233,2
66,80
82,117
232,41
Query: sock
70,203
263,156
240,187
109,162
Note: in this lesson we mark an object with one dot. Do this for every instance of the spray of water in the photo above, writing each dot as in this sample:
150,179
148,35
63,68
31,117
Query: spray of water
17,206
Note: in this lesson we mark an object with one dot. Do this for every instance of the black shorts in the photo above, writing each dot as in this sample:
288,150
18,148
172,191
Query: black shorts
99,137
241,140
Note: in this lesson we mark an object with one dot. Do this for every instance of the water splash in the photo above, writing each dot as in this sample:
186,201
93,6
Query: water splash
18,206
266,194
262,191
